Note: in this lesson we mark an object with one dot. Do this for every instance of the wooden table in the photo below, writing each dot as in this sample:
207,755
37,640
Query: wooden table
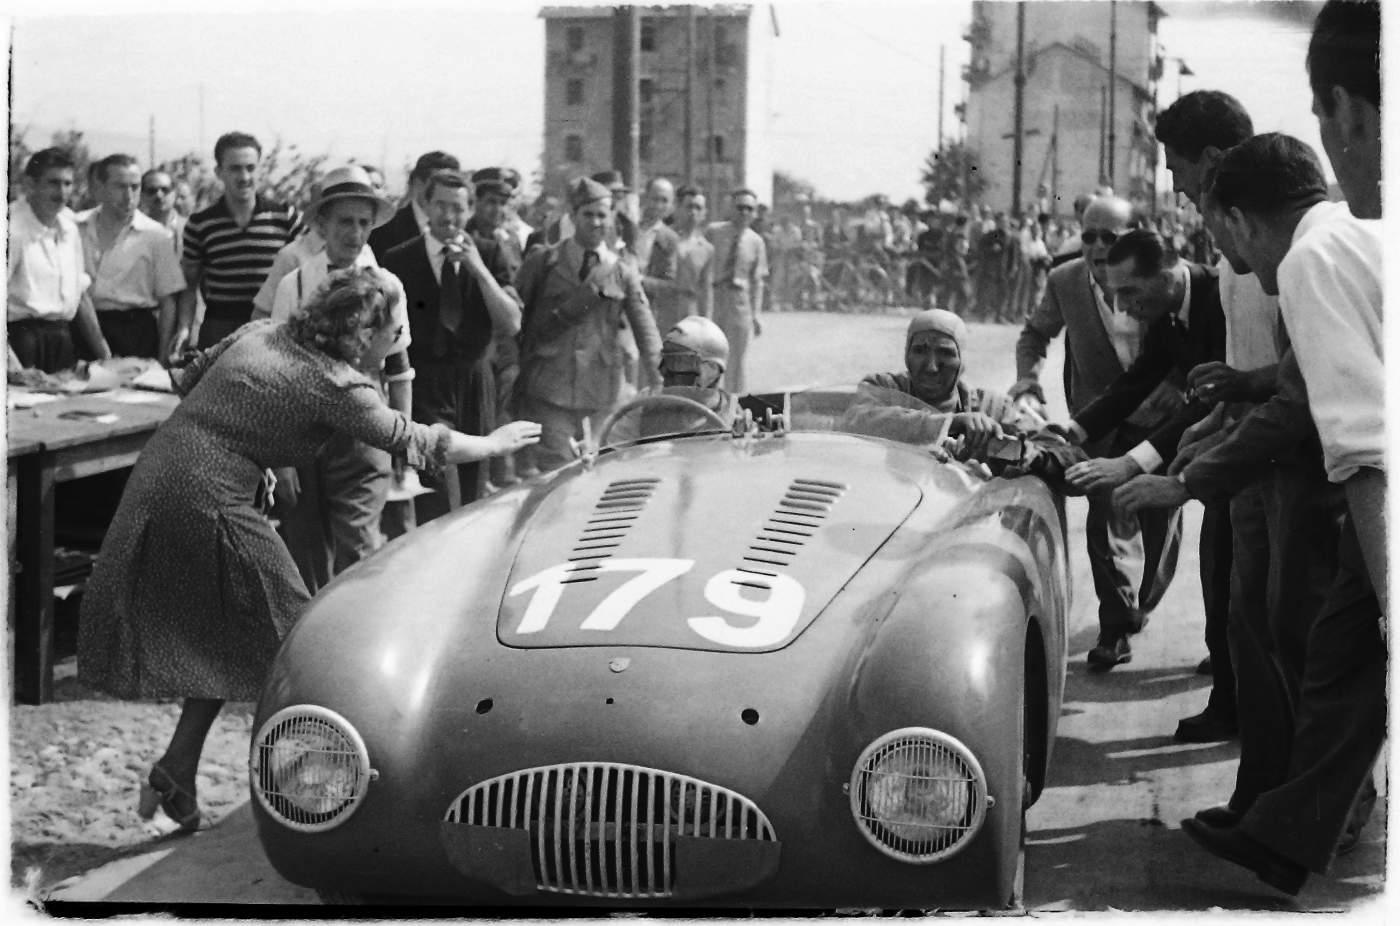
52,442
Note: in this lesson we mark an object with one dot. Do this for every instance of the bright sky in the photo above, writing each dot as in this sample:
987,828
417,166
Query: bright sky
854,106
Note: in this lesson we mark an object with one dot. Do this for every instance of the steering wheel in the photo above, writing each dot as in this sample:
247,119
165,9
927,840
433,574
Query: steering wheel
679,402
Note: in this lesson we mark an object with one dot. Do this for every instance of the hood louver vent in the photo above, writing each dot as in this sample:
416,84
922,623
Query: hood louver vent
802,509
613,515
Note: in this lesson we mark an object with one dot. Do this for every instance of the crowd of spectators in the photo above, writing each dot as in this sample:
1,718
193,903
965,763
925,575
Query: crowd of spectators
1254,386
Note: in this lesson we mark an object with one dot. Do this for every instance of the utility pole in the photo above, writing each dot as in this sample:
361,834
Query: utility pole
710,57
627,40
941,71
690,94
1055,161
1103,128
1018,114
1112,85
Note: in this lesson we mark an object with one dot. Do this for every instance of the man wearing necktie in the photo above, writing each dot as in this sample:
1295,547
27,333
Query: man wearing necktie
576,295
739,279
1180,304
457,301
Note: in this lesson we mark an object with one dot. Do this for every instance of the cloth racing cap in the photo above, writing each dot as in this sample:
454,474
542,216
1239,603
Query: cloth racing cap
941,321
696,336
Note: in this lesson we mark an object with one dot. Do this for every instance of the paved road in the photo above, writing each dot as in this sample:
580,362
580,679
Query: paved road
1105,834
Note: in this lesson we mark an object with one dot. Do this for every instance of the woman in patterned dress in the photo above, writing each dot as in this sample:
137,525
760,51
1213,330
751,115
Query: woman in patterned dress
194,590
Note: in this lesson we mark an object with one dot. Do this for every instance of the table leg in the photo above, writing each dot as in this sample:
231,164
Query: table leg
34,634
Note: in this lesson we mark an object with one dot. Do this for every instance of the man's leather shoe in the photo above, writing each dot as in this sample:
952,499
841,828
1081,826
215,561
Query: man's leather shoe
1109,652
1203,667
1220,816
1233,846
1209,726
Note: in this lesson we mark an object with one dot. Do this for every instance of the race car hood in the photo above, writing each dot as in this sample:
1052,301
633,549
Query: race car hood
725,548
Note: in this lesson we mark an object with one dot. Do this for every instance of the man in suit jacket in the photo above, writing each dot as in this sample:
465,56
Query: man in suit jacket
455,286
412,220
576,295
1180,302
1132,559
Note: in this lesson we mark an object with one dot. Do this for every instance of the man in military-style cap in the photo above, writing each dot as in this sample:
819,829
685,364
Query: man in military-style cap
576,294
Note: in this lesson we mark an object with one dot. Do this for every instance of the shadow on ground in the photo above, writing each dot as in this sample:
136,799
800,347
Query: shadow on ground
1167,871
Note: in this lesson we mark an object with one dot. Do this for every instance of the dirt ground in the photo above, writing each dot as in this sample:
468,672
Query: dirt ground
77,763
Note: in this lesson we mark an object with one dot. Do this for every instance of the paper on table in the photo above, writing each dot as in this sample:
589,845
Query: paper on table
22,398
135,397
156,379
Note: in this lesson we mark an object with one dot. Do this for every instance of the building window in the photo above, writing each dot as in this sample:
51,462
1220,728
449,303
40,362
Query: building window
717,147
648,36
574,38
573,91
573,147
646,89
644,147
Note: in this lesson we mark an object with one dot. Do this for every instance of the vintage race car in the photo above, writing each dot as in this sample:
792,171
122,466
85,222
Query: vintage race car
779,664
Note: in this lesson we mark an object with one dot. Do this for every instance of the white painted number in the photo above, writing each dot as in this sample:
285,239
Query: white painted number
775,615
653,573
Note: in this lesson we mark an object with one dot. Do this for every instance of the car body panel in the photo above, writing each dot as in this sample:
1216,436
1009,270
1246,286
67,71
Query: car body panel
924,587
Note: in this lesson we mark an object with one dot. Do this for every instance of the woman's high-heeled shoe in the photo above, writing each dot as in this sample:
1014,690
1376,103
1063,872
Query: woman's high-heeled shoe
161,791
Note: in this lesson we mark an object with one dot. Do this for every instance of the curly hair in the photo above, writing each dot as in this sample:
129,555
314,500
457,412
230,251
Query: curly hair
343,314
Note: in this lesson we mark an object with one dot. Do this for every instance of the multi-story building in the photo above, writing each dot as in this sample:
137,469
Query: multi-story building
715,57
1066,61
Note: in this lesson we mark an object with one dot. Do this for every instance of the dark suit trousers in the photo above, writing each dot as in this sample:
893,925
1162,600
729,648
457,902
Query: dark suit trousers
335,521
1133,559
1263,703
1216,566
1340,720
461,395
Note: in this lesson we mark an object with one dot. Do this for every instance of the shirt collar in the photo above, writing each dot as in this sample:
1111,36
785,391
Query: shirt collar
1322,212
1183,311
22,214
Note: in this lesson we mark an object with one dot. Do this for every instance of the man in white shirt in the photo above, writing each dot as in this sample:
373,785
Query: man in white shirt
1195,131
1325,266
135,272
330,510
47,282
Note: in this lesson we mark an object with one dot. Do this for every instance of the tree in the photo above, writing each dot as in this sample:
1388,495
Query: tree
788,190
945,174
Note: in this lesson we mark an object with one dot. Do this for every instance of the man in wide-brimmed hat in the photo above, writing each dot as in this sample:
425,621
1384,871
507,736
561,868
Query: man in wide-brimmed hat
330,510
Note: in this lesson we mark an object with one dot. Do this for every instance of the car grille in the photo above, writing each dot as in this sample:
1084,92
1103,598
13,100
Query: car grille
604,829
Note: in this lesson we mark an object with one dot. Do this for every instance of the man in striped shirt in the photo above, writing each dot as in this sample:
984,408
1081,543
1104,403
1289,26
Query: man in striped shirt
230,245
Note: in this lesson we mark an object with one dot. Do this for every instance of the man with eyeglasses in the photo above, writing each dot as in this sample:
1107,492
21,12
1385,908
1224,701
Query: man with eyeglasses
741,272
158,197
1132,559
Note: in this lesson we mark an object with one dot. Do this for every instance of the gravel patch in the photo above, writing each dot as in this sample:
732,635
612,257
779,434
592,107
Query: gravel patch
76,768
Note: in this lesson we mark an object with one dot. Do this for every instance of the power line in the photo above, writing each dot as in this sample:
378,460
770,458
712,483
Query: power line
877,39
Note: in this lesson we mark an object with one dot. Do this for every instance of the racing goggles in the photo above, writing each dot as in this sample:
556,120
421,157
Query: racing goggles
681,362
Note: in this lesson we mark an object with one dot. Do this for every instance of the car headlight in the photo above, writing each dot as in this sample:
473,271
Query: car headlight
918,795
309,768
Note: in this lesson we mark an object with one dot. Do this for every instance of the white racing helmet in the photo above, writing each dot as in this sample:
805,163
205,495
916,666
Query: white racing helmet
698,337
